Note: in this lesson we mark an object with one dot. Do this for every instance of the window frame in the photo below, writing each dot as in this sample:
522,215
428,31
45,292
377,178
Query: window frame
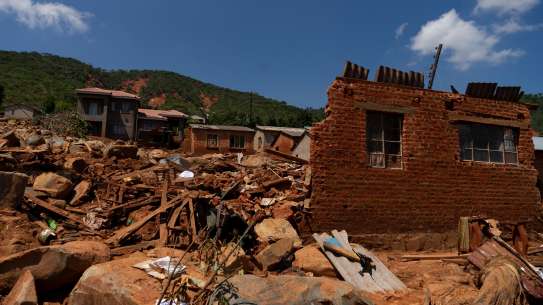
232,139
384,139
99,107
507,134
216,136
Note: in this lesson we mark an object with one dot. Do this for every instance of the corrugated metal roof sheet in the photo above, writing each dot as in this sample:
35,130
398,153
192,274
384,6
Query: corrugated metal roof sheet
113,93
393,76
538,143
221,127
355,71
492,91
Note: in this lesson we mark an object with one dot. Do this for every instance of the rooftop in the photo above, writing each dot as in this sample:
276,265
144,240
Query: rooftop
291,131
221,127
160,115
113,93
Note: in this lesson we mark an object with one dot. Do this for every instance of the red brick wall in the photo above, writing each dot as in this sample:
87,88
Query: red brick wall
435,187
197,142
283,144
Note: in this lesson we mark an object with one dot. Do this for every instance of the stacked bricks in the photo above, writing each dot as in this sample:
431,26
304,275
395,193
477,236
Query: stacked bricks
434,187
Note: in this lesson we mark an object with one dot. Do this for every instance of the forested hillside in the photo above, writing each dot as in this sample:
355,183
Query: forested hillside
45,79
537,115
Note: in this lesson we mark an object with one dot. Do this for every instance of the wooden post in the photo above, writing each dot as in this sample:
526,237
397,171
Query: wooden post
163,225
463,235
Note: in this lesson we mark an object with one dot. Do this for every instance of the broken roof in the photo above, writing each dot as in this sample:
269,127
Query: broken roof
290,131
160,115
221,127
113,93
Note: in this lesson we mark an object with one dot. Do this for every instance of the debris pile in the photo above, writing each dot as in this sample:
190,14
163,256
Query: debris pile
95,221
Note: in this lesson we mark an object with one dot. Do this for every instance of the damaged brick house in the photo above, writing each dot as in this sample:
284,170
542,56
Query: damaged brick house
204,139
109,113
393,157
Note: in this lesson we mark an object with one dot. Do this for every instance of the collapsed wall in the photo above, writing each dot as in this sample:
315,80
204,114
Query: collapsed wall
433,185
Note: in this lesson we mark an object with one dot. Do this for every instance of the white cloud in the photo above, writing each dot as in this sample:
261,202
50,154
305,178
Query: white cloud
505,6
400,30
513,26
464,42
47,14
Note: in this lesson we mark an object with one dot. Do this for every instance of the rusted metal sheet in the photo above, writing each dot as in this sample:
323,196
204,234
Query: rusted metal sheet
394,76
508,94
481,90
492,91
355,71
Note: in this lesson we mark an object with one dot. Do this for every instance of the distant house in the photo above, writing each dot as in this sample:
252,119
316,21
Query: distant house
202,139
196,119
287,140
161,126
20,111
538,161
109,113
266,136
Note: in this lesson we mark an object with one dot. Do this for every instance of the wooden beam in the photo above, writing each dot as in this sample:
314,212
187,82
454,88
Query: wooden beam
286,156
192,220
490,121
123,233
364,105
46,205
163,227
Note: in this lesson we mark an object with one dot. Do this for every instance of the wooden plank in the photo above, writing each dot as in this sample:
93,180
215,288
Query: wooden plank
141,171
347,269
286,156
123,233
175,215
46,205
491,121
426,257
136,203
366,105
382,276
163,227
535,250
192,220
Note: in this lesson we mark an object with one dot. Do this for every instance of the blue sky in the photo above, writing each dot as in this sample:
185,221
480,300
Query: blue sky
288,50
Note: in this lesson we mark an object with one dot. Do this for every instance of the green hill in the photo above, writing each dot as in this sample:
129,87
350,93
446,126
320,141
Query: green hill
40,79
537,115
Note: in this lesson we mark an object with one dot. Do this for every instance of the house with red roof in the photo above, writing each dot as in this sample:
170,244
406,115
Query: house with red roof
116,114
109,113
163,127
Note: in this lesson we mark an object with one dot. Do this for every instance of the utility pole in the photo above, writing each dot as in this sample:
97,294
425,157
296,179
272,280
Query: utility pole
251,113
433,67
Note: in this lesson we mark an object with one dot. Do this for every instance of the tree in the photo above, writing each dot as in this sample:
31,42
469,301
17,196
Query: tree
49,105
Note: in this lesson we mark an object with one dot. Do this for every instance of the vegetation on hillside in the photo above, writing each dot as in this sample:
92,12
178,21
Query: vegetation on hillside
537,115
1,94
49,81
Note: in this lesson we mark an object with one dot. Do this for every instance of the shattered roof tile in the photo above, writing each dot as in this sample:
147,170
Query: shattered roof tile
162,115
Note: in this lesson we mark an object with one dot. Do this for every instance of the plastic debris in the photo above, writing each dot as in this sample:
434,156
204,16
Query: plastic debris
161,268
